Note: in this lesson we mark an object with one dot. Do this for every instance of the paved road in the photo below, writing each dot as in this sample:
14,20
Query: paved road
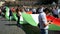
9,27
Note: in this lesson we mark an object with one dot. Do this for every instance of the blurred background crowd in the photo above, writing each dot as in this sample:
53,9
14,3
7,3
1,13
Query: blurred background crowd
30,7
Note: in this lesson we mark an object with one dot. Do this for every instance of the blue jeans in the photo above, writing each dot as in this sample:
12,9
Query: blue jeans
43,31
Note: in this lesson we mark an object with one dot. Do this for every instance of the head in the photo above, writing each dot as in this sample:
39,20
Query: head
40,6
46,10
20,9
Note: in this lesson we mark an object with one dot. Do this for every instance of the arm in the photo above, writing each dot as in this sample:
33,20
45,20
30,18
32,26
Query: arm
44,19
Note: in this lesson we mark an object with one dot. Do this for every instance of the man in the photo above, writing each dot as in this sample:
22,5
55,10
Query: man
27,9
43,24
40,9
18,11
34,11
3,11
10,13
55,12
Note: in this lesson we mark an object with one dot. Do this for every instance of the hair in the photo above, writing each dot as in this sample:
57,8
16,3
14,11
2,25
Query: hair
46,9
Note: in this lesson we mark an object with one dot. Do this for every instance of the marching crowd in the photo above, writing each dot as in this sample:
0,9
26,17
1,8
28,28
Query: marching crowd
53,10
41,10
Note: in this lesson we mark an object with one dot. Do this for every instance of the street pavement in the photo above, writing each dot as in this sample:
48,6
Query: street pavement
9,27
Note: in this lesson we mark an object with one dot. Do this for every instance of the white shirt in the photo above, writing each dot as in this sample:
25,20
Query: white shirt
42,20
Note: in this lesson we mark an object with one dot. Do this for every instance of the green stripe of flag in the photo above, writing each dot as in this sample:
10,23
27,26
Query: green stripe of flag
28,18
54,27
7,13
14,16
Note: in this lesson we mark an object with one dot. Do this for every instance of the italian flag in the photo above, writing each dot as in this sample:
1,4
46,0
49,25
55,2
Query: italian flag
32,19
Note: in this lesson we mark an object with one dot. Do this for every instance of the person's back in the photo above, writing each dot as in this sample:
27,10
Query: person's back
55,13
42,20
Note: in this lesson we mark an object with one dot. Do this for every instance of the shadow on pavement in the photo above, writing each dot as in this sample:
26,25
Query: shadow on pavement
10,24
29,29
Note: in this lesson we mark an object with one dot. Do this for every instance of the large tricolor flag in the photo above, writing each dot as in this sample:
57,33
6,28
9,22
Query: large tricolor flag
32,19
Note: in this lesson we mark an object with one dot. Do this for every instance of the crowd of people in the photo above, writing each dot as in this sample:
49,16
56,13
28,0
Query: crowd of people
41,10
53,10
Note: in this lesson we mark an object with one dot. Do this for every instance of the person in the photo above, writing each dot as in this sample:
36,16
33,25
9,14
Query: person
29,12
18,11
10,14
34,11
55,12
27,9
43,24
40,9
3,11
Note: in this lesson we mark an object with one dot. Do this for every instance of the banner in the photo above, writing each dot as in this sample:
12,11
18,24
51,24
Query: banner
32,19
